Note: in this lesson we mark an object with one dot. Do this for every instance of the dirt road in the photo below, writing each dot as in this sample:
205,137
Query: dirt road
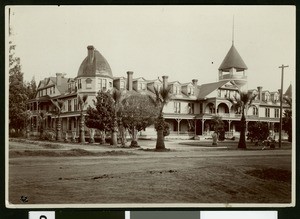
186,174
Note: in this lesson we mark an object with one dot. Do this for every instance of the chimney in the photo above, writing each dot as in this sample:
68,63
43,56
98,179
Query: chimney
259,89
129,80
165,81
195,81
58,79
90,54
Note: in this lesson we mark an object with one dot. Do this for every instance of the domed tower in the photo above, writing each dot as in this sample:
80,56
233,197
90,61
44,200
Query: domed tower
233,68
94,73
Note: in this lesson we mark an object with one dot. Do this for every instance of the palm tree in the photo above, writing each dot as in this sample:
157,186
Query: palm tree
41,118
58,108
242,102
81,103
162,97
117,97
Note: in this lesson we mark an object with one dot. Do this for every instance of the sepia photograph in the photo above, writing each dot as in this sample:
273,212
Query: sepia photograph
150,106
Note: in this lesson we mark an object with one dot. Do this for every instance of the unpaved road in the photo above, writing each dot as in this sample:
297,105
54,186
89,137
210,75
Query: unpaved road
186,174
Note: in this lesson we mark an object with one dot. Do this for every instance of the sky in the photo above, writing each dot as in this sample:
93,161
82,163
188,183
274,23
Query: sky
183,42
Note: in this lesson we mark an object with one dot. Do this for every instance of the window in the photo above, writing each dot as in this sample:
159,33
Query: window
110,84
69,88
176,107
276,113
53,89
190,90
267,97
88,83
139,86
75,104
219,93
255,111
143,86
122,84
191,108
75,86
102,84
177,89
79,84
69,105
276,97
267,112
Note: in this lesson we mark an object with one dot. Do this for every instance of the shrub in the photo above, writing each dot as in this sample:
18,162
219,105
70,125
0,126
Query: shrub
48,135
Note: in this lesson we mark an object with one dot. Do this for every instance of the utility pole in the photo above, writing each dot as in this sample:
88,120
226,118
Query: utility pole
281,100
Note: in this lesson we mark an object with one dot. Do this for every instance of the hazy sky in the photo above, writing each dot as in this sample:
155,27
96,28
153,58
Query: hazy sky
183,42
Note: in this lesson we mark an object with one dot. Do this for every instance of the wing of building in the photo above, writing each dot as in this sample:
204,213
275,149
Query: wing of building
189,113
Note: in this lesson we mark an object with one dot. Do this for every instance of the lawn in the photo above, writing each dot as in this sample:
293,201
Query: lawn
95,174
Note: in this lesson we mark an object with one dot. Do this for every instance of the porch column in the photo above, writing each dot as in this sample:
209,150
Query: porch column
229,123
247,126
203,120
178,125
67,129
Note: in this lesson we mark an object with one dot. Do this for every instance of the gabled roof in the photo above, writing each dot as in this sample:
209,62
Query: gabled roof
206,89
174,82
233,60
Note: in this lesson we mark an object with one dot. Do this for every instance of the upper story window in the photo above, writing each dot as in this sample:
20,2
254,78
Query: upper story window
122,84
190,90
267,112
191,108
276,113
53,88
69,105
79,84
219,93
88,83
69,87
276,97
110,84
75,104
177,107
255,111
102,83
267,97
176,89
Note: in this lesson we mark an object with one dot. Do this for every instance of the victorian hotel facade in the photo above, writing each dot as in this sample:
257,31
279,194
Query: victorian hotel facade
189,112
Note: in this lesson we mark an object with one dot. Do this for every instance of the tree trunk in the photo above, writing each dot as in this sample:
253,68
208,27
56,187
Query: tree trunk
58,129
160,141
122,134
114,134
92,134
102,133
242,141
82,135
134,138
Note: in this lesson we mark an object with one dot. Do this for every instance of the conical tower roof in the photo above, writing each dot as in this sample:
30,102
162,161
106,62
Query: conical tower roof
233,60
288,91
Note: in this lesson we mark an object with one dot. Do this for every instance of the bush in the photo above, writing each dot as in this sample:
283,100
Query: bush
48,135
258,131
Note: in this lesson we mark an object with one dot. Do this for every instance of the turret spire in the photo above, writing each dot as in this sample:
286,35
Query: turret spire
233,31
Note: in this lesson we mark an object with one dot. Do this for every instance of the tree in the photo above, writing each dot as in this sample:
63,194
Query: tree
58,104
17,92
162,97
218,126
41,118
258,131
101,117
81,103
117,97
241,102
31,88
287,118
137,114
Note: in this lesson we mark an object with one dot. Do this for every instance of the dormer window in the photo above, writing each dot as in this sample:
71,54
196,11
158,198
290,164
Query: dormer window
122,84
190,91
267,97
88,83
176,89
276,97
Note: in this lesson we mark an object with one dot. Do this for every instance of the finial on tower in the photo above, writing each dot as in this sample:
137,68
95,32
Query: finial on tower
233,30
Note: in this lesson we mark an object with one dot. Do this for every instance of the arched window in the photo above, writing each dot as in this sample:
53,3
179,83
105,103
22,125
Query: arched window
88,83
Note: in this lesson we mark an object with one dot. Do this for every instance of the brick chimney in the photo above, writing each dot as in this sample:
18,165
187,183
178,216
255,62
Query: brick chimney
259,89
195,82
90,54
59,76
165,81
129,80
